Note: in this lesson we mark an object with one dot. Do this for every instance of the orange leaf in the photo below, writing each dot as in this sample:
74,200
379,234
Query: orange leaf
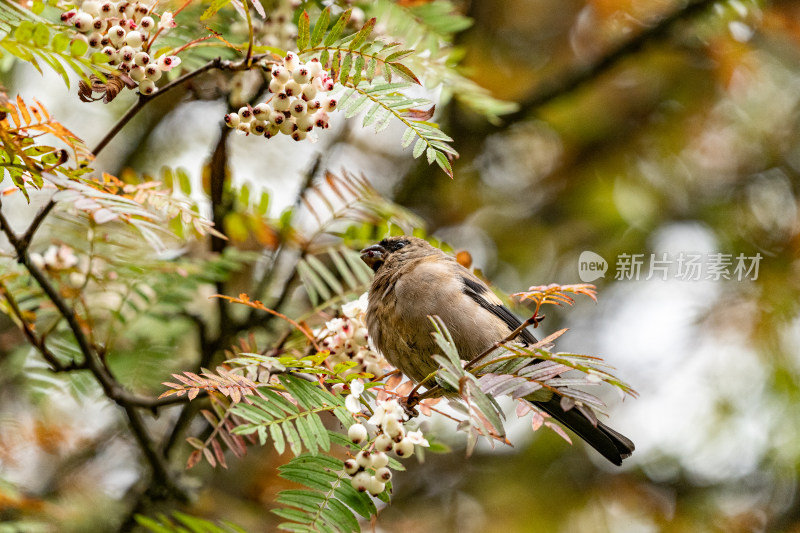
193,459
23,110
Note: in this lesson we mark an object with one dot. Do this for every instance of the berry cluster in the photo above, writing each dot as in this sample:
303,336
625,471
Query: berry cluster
369,471
369,468
347,340
297,104
55,258
122,31
61,260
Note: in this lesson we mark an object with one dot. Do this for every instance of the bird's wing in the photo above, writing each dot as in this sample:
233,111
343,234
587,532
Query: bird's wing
483,296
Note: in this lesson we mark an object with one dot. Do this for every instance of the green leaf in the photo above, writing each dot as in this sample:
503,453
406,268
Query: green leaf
277,438
342,268
408,136
326,274
357,501
337,28
297,388
341,517
303,31
305,500
309,478
263,204
321,27
306,434
60,42
358,66
24,31
344,74
292,437
99,58
212,10
78,48
373,64
444,163
362,34
397,56
419,147
405,72
41,34
320,433
277,399
335,65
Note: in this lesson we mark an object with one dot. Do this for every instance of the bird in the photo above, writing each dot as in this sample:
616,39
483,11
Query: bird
413,281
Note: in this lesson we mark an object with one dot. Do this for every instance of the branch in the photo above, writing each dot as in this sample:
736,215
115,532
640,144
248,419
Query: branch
583,74
111,387
26,239
38,343
216,63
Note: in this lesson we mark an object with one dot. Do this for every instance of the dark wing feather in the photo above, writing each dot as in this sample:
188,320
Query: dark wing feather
612,445
478,291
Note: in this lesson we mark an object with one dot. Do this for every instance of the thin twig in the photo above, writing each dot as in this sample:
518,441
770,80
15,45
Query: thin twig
37,342
583,74
26,239
216,63
250,33
534,319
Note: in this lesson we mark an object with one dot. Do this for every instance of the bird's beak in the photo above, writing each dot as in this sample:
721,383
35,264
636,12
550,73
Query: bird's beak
373,256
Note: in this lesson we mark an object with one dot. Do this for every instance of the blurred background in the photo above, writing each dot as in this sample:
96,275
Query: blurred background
646,127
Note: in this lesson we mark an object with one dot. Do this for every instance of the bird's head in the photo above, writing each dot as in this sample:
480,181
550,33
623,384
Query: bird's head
395,249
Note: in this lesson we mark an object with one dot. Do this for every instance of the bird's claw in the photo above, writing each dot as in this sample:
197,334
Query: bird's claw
408,404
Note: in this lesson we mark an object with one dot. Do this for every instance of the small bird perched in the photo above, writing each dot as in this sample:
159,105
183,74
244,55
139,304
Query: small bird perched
413,280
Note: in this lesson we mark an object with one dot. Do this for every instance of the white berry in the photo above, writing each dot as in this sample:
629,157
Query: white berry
379,460
298,107
384,443
376,486
280,74
383,474
141,59
288,127
83,22
153,72
281,102
134,39
361,481
290,61
91,7
232,120
292,88
261,111
276,118
301,74
147,87
351,466
364,458
357,434
404,448
137,74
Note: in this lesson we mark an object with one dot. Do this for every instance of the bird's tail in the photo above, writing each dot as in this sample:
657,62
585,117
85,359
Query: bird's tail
612,445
